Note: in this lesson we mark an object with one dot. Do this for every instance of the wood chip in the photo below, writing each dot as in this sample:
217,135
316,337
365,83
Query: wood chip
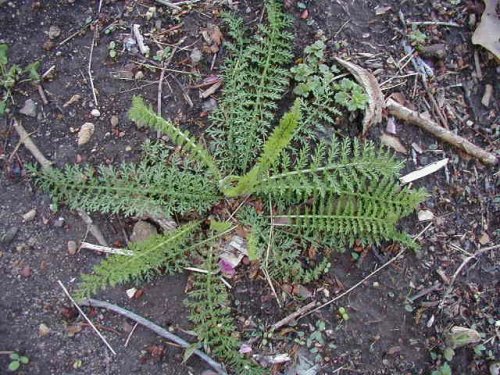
425,171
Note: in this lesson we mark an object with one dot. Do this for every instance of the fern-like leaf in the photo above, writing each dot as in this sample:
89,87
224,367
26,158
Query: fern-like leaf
279,139
253,81
369,215
208,303
167,251
143,114
145,188
337,167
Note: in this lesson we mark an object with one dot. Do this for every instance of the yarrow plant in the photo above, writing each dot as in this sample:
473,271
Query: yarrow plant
294,190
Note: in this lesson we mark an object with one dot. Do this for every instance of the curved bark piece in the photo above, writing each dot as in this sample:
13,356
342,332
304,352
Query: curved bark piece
373,113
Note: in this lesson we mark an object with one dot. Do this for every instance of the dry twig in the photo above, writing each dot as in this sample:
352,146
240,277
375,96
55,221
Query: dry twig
406,114
460,268
85,316
92,228
106,249
28,143
156,329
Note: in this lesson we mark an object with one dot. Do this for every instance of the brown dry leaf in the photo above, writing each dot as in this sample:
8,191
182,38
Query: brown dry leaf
73,329
213,37
488,31
215,34
373,113
484,239
393,142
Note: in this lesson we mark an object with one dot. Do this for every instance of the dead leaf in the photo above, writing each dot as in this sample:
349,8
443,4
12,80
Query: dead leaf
73,329
488,30
43,330
461,336
484,239
213,37
211,90
72,100
393,142
373,113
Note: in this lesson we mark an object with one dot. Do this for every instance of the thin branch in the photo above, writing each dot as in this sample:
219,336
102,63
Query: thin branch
106,249
306,310
359,283
268,250
413,117
432,23
294,315
155,328
28,143
169,4
89,68
85,316
130,334
92,228
459,269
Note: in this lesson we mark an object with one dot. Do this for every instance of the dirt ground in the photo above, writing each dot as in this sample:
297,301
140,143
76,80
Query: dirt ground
397,319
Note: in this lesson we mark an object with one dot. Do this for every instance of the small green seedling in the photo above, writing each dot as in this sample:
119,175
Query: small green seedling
11,75
162,54
112,49
445,369
417,37
343,313
16,360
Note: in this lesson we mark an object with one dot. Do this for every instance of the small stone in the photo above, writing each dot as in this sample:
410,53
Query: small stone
488,93
9,235
495,368
139,75
95,112
54,32
128,148
29,108
59,222
472,20
114,121
72,247
131,292
26,271
425,215
30,215
195,56
209,105
142,231
43,330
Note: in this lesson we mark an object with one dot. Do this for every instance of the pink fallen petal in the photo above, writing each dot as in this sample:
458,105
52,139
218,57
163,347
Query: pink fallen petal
226,268
245,348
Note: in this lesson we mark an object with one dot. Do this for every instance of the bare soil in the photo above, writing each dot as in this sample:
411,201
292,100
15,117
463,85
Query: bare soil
391,328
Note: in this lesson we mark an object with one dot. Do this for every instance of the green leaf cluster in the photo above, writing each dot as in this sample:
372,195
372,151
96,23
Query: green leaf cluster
10,76
326,194
255,78
209,308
